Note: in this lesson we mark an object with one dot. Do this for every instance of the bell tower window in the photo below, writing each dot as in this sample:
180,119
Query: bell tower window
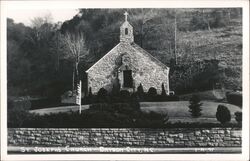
126,31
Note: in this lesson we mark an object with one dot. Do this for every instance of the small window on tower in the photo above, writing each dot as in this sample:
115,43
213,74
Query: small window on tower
126,31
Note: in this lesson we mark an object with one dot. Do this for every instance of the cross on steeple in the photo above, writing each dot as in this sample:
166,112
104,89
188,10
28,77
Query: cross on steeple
126,15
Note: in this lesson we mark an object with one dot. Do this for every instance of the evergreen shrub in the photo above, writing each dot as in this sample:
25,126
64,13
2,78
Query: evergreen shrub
223,114
195,106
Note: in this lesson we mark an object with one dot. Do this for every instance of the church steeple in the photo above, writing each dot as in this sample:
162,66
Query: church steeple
126,31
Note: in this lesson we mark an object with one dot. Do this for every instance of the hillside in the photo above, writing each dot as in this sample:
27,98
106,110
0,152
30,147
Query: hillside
195,48
224,44
208,47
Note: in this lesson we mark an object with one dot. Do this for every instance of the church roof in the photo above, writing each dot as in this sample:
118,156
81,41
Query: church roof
103,57
137,47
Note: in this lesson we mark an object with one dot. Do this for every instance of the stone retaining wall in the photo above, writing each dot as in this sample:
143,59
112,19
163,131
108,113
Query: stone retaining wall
120,137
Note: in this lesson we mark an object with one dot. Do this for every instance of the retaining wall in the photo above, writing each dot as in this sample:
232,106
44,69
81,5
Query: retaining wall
120,137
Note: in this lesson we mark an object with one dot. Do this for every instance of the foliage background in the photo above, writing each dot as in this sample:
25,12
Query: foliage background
207,49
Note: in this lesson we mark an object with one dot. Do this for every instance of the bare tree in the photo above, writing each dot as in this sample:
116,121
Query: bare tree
41,27
77,50
205,18
57,47
140,18
37,22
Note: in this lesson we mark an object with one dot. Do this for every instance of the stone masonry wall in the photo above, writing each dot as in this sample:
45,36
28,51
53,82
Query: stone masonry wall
145,69
120,137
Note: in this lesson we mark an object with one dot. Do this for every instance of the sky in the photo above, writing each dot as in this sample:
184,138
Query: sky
25,15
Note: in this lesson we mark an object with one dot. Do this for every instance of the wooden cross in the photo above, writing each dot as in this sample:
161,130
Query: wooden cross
126,16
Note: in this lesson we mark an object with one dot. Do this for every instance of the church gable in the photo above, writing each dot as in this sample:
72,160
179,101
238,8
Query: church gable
104,73
127,65
124,62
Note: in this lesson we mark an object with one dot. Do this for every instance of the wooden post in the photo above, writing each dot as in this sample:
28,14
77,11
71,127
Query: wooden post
79,96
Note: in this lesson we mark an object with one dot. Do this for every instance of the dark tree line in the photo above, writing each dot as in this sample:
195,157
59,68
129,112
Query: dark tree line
39,62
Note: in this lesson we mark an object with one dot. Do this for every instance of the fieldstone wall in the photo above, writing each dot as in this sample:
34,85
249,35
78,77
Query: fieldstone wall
145,69
120,137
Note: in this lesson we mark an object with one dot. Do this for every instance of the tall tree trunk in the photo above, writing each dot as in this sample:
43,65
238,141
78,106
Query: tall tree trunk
142,34
57,54
229,15
206,20
208,25
73,79
77,72
175,46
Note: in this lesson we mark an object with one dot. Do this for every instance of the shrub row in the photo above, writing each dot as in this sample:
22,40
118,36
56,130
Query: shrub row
125,96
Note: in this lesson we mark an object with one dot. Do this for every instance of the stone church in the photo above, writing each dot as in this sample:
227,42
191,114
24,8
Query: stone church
128,65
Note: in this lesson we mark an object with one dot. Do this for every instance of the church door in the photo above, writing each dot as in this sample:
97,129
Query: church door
127,79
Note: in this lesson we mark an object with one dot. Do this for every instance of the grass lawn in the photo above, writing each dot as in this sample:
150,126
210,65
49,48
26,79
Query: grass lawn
178,111
58,109
216,94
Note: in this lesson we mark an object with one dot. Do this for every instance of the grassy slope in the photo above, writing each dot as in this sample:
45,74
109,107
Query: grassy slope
58,109
214,95
224,44
178,111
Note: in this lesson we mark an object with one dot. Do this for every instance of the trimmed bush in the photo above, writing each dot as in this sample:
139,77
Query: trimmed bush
102,95
152,94
115,90
140,92
163,91
90,98
223,114
238,117
90,92
195,106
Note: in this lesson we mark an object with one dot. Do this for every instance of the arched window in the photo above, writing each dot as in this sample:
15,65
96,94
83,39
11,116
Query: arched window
126,31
